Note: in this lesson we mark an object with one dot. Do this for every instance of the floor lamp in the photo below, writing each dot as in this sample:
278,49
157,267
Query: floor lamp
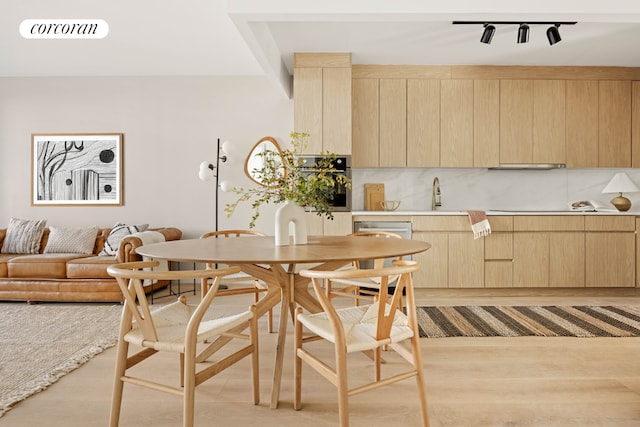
209,171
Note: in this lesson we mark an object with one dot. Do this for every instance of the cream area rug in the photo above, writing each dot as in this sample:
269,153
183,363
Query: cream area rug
41,343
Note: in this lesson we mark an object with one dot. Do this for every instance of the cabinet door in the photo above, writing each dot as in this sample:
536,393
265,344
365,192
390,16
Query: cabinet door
456,127
567,260
366,131
531,259
486,123
434,264
516,121
423,123
336,110
466,261
635,124
307,105
549,144
342,224
610,259
582,124
614,124
393,122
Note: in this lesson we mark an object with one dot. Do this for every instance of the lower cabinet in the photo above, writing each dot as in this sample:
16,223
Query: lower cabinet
564,251
341,224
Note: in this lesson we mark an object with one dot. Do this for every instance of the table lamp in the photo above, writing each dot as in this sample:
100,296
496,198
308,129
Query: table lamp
621,183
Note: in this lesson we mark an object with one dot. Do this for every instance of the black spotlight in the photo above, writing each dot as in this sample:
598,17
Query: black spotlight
487,34
523,33
553,34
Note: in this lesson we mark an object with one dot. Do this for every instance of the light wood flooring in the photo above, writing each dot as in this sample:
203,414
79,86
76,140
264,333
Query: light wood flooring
528,381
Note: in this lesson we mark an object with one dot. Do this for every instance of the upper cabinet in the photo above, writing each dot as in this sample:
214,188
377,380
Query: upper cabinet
468,116
322,100
532,121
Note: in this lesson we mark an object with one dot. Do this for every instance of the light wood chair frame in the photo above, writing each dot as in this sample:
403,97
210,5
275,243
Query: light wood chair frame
385,318
130,277
363,292
257,286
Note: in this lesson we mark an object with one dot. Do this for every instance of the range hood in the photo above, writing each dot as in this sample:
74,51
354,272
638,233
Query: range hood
528,166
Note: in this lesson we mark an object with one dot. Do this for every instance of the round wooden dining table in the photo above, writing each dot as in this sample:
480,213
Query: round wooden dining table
278,266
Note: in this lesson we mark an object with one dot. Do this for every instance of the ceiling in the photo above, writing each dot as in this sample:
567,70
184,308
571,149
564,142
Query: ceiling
258,37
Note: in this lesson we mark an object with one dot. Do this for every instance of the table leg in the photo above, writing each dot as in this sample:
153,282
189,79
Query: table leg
282,335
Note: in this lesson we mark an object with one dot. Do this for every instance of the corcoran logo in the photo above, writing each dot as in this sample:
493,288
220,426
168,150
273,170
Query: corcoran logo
64,29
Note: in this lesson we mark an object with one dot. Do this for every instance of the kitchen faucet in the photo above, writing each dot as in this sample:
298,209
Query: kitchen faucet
435,194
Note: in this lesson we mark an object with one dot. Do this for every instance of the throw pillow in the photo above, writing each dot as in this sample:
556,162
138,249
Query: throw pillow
117,233
71,240
23,236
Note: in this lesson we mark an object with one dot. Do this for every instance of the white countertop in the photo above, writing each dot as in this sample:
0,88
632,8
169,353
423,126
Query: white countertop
489,213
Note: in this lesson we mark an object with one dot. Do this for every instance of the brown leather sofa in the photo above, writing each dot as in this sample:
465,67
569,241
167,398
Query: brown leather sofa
69,277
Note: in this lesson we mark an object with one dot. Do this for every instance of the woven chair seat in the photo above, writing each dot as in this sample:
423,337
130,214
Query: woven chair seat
171,323
359,325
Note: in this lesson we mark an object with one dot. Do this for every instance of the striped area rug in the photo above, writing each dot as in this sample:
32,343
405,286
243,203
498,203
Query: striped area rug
517,321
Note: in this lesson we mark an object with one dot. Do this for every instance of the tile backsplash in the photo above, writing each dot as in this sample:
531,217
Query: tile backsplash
483,189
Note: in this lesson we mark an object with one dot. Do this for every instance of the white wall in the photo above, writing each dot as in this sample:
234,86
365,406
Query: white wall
169,124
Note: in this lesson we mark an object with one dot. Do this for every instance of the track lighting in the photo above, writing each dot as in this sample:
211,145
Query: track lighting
523,33
487,34
553,35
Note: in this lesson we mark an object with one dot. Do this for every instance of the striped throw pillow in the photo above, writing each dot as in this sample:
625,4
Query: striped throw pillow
23,236
117,233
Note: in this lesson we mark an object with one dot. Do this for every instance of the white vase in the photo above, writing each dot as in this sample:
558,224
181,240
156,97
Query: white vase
291,213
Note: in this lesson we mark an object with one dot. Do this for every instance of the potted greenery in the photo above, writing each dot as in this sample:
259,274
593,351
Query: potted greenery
282,181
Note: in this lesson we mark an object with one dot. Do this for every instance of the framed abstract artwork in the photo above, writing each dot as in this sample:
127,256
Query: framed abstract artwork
76,169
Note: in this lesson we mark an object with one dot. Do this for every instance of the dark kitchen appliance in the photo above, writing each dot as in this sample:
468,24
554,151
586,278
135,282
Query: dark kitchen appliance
341,201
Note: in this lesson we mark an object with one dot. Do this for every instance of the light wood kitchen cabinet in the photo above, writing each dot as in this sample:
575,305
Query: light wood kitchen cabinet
516,121
498,253
486,123
393,123
322,100
455,259
635,124
341,225
614,124
466,261
532,121
379,110
366,123
610,251
582,123
456,123
549,121
336,110
423,123
567,259
544,253
434,270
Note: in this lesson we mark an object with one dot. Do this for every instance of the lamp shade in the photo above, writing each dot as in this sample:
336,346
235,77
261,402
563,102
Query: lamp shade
621,183
206,171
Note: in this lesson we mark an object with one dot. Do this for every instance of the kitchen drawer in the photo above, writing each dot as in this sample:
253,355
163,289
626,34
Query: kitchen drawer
549,223
441,223
610,223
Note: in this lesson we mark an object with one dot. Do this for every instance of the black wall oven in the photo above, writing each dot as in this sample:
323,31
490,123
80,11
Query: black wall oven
341,201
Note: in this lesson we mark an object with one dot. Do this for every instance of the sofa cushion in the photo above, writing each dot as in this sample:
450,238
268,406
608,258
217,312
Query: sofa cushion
23,236
93,267
3,263
71,240
52,266
117,233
